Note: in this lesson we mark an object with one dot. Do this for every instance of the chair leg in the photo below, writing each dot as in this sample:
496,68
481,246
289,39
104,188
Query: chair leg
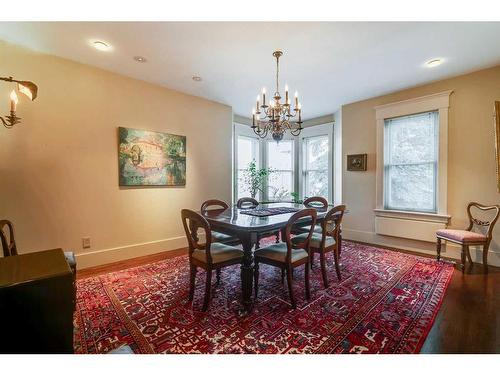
208,288
290,289
311,259
192,280
336,258
217,274
256,278
282,275
462,265
324,275
469,258
308,289
485,256
438,249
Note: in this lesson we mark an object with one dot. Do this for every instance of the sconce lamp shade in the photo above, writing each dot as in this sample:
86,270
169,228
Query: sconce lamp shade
28,88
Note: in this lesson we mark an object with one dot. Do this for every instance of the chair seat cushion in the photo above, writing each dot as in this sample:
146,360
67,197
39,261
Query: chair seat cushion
461,235
70,258
220,253
315,241
221,237
317,228
277,252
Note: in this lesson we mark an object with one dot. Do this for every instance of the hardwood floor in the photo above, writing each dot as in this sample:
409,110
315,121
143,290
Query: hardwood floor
468,321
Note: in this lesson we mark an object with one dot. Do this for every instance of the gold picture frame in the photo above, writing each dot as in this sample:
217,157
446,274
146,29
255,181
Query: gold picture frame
496,120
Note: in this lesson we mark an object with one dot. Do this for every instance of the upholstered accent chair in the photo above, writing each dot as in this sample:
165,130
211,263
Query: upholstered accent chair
215,206
288,254
208,255
326,241
478,233
10,248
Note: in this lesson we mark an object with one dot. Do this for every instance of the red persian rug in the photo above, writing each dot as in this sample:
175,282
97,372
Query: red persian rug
385,303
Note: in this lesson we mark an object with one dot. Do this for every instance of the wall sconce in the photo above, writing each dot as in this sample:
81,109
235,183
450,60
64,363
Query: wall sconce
27,88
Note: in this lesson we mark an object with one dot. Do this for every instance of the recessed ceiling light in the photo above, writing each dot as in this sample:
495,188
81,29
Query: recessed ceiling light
197,78
434,62
140,59
101,46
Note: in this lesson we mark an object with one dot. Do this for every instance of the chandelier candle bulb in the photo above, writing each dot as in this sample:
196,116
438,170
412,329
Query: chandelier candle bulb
264,96
286,94
13,101
258,106
253,116
296,99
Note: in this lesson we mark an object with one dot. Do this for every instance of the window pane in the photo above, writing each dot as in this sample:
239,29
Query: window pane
410,158
245,152
243,190
316,183
412,139
411,187
280,186
279,155
316,153
248,150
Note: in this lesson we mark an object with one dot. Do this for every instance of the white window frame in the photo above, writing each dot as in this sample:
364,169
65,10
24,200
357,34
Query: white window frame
315,131
428,103
323,129
243,131
295,155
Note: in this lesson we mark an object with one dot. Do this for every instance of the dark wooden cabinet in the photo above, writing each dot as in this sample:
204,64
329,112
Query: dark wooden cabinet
36,303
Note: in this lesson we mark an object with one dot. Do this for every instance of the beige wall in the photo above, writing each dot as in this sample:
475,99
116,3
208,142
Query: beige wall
59,167
471,160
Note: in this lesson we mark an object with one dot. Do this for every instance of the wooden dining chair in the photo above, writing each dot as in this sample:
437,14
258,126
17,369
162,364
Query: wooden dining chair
327,241
208,255
289,254
469,237
217,205
10,249
312,202
247,202
7,238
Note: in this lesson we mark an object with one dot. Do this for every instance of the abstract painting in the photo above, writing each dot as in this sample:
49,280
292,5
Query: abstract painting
151,158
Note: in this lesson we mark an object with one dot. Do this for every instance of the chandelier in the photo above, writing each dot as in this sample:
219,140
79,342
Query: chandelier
277,117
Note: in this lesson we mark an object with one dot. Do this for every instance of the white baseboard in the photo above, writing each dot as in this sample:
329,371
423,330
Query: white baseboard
116,254
449,250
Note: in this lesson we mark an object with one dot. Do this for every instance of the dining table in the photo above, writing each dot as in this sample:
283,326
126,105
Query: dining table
238,222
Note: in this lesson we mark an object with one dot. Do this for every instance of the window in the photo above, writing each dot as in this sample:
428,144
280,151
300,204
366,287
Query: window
280,183
302,164
411,162
247,149
315,151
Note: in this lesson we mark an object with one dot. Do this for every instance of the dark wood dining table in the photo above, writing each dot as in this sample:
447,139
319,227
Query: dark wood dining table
248,229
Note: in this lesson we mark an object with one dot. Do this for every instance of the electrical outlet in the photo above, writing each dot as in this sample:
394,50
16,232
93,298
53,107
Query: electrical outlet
86,242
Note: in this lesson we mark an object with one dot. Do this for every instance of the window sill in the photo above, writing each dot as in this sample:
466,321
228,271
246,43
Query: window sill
414,216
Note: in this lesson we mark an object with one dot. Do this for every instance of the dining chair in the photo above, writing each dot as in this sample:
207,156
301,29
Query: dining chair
217,205
207,255
327,241
469,237
289,254
10,249
249,203
312,202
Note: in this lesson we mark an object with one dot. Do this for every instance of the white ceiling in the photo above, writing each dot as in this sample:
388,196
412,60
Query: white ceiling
329,63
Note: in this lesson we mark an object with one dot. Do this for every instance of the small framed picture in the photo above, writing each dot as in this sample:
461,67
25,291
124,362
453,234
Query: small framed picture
356,162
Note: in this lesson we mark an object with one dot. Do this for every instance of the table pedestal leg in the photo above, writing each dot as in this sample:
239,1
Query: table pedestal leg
247,240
